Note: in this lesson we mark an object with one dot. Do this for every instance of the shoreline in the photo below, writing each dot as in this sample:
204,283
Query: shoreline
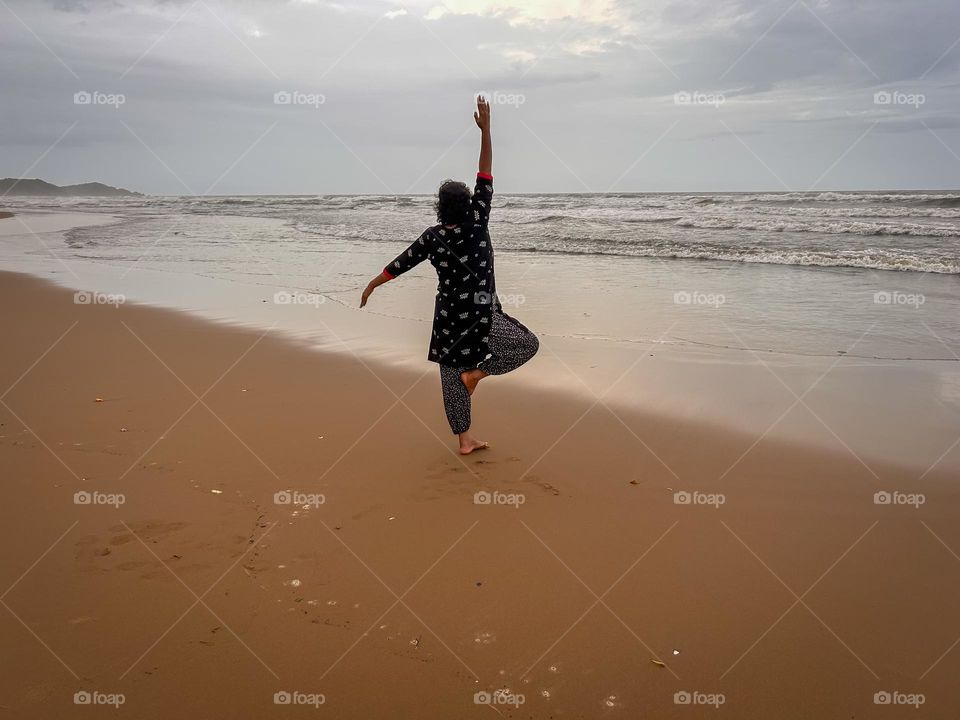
306,598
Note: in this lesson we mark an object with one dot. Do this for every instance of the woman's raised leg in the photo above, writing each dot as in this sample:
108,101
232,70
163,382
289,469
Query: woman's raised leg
511,345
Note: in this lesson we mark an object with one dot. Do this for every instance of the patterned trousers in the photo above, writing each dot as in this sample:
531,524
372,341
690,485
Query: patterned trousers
511,345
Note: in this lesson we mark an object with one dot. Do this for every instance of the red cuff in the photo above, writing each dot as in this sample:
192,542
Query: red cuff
388,274
484,176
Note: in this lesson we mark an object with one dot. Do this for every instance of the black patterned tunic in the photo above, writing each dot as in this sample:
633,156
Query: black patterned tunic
466,288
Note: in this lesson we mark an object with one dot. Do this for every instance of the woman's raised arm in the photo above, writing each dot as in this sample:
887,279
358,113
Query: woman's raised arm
482,118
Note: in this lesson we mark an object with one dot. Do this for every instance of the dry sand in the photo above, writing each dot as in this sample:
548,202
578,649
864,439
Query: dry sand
200,596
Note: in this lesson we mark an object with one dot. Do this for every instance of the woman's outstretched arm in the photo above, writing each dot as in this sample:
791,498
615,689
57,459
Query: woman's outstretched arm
482,118
407,260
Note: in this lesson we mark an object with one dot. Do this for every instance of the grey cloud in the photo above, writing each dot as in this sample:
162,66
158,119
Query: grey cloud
595,95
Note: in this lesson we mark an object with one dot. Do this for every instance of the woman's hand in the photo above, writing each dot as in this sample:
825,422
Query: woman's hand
482,115
367,291
373,285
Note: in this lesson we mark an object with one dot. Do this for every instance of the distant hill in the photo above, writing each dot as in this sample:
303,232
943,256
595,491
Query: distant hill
35,186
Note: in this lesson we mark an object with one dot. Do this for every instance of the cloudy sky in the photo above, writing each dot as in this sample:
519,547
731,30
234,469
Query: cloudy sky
349,96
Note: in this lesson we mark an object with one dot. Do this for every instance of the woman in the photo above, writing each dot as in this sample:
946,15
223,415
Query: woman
472,336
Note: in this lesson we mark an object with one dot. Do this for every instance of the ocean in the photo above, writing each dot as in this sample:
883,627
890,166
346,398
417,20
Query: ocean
705,245
911,231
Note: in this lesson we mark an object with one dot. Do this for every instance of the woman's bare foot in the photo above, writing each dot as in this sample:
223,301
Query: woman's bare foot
471,379
468,444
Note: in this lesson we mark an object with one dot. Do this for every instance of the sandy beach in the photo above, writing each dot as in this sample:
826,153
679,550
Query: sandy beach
697,264
185,585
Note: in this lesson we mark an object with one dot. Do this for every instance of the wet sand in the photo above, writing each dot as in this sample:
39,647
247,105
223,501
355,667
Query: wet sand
4,215
202,596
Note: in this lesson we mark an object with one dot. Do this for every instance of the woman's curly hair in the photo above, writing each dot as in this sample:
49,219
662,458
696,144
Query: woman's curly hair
453,203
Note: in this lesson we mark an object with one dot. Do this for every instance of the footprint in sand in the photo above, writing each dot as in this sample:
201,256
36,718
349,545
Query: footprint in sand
132,565
545,486
446,471
146,531
89,549
87,545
